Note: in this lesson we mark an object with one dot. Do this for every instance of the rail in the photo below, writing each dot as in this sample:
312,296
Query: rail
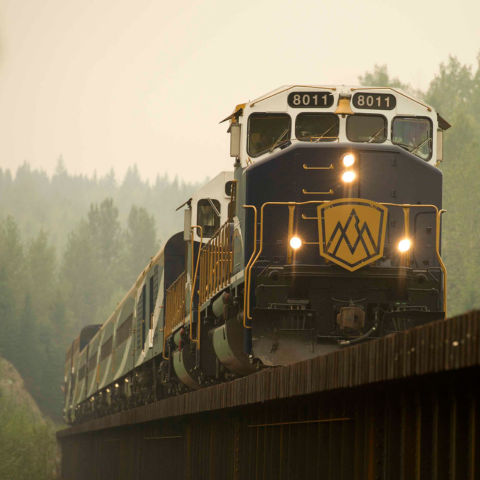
216,263
291,206
174,306
194,283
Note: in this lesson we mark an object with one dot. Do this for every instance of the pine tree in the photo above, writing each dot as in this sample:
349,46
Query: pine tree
61,321
41,263
12,283
80,276
106,236
92,264
105,232
141,242
12,258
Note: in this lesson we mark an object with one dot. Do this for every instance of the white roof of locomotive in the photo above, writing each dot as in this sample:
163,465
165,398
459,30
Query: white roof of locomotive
276,99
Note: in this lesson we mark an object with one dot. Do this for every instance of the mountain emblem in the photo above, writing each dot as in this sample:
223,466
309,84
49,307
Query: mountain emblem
352,232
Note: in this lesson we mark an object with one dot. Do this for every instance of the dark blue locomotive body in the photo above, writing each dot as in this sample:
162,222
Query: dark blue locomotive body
391,293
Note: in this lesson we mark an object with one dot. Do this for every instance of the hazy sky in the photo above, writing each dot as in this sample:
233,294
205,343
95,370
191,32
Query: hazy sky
110,83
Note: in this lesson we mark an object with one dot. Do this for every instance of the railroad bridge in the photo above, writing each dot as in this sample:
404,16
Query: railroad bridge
402,407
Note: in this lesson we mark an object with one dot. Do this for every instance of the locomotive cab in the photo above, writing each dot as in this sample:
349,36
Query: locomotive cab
335,114
348,202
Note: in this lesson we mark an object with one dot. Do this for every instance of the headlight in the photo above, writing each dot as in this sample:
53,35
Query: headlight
295,243
348,176
348,160
404,245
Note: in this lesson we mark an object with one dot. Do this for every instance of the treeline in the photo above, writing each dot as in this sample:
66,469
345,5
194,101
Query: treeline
48,293
455,94
56,203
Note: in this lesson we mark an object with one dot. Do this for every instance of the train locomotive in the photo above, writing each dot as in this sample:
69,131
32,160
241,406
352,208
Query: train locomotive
327,233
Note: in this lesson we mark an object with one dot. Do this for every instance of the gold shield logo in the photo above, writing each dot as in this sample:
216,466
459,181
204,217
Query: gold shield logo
352,232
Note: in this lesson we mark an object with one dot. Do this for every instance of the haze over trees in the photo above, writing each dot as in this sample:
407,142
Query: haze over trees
70,248
70,245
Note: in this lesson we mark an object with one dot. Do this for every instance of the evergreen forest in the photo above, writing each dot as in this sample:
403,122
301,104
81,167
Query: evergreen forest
71,245
70,248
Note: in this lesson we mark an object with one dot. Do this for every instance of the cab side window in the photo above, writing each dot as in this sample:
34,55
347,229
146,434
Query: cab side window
208,216
228,188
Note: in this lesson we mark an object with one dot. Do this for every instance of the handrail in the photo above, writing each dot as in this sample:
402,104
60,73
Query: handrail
247,280
440,261
251,263
175,305
194,281
215,263
164,340
306,167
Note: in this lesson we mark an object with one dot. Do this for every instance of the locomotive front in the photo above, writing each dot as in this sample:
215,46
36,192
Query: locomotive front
341,228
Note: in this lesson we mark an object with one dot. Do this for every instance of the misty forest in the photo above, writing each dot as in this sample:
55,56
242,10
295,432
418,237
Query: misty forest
71,245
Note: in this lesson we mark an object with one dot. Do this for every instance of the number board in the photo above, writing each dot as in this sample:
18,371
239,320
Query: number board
310,100
374,101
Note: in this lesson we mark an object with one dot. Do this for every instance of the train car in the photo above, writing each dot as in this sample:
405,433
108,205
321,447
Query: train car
326,233
76,371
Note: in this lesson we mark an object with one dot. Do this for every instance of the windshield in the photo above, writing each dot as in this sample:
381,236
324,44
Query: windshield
414,135
367,128
264,129
316,127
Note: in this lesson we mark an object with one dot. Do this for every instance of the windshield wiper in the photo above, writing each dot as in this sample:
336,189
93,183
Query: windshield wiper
323,134
412,148
408,148
213,206
420,145
279,139
375,136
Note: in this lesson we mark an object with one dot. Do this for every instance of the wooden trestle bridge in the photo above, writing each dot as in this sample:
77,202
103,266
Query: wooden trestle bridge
403,407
